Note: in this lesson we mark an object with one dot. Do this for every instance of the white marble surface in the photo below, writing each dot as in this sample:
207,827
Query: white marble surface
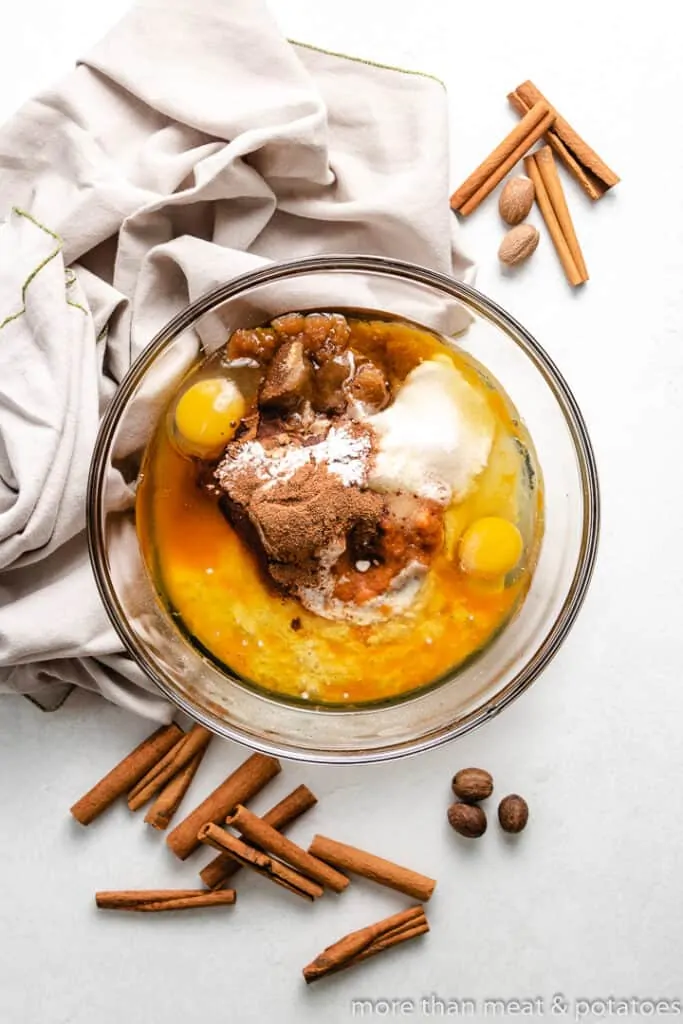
588,902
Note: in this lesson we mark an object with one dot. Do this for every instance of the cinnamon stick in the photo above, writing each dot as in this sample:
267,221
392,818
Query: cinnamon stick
551,179
196,740
169,799
384,872
126,773
260,833
393,939
491,171
259,862
223,867
244,783
366,942
573,143
571,270
151,900
592,186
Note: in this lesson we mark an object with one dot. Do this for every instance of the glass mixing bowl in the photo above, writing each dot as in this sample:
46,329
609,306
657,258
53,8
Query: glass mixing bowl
470,695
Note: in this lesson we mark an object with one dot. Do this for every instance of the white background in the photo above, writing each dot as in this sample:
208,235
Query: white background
588,901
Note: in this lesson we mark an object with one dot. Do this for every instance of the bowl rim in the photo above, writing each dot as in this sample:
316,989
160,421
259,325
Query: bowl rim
490,311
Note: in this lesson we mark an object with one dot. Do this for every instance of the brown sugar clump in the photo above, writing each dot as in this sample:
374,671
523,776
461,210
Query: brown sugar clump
370,387
288,377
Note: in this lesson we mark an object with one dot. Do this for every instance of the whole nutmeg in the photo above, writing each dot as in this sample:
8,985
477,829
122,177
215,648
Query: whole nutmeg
518,244
472,785
467,819
513,813
516,199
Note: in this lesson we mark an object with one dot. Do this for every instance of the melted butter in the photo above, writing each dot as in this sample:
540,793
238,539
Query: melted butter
210,579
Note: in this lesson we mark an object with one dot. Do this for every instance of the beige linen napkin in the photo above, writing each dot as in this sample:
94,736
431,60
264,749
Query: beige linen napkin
193,143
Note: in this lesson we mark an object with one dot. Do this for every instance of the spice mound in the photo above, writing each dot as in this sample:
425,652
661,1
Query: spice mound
339,484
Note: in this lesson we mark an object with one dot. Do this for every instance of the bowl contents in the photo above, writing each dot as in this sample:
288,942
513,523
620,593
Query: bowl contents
340,508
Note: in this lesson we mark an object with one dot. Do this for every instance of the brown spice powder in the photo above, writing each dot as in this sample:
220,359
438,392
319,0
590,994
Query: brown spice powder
299,517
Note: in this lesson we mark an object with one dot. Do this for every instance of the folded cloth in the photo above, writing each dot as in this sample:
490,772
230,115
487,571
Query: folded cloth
192,144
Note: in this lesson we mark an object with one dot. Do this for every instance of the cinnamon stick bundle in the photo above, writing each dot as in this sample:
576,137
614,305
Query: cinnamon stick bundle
265,837
169,799
126,773
591,172
221,868
384,872
259,862
154,900
551,201
491,171
244,783
194,742
367,942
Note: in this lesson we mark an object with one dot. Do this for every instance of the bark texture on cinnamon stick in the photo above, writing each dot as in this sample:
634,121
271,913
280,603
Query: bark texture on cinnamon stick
169,799
546,166
491,171
259,833
247,780
221,868
126,773
367,942
384,872
260,862
548,212
591,172
155,900
591,185
194,742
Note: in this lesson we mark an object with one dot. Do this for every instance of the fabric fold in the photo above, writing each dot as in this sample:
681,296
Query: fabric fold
190,145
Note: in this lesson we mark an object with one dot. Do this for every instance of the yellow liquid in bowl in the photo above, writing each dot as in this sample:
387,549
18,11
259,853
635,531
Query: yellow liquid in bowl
216,589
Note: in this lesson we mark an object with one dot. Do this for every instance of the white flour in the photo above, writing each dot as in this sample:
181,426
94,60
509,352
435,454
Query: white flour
342,452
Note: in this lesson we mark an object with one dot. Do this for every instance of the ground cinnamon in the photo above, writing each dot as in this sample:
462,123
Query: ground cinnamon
221,868
152,900
260,833
244,783
259,862
195,741
384,872
169,799
367,942
126,773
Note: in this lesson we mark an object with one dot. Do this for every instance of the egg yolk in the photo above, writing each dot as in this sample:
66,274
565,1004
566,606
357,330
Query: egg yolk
490,547
207,416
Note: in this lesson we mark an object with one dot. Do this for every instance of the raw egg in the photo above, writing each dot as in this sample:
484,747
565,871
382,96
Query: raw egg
490,547
207,416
